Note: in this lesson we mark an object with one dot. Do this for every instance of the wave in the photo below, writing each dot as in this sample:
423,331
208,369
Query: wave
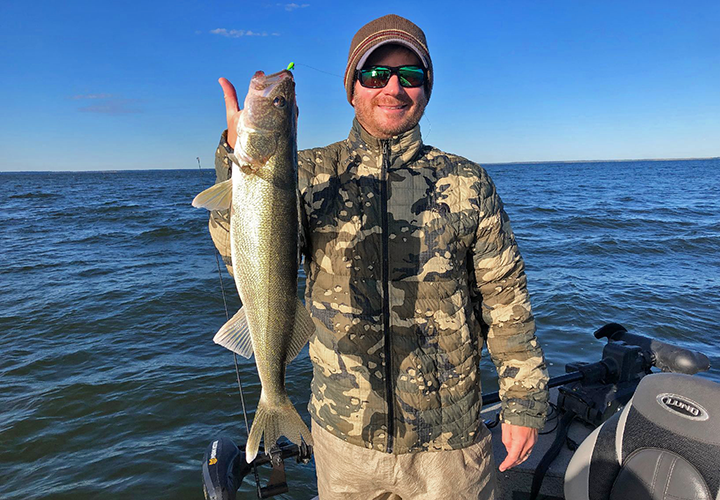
38,196
166,232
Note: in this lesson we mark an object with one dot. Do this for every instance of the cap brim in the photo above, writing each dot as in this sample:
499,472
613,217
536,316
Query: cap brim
397,41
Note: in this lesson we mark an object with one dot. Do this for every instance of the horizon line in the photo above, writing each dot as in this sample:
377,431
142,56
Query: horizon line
533,162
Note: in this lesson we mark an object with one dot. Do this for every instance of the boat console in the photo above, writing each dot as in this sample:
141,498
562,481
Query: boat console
665,444
599,394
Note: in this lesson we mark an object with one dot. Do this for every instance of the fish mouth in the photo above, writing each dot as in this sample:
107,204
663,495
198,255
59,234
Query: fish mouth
264,84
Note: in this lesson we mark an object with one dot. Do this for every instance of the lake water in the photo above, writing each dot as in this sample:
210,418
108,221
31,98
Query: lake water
111,386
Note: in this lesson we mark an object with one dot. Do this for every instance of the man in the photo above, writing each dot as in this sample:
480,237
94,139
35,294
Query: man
411,267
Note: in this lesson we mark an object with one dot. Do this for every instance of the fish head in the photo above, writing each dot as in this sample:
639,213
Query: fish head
269,114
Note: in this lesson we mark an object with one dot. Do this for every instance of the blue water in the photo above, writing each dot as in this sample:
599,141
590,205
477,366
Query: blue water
110,385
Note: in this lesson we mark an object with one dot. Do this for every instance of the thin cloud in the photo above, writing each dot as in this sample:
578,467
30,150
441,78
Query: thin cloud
109,105
239,33
91,96
292,6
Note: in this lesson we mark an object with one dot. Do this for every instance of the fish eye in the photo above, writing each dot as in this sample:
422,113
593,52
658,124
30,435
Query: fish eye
279,102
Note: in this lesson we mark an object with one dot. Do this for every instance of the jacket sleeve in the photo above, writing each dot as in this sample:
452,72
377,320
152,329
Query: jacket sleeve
219,224
500,292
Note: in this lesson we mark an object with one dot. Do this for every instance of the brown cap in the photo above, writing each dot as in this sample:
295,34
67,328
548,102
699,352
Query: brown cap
381,31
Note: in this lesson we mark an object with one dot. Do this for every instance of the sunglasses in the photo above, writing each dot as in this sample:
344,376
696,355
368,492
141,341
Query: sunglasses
376,77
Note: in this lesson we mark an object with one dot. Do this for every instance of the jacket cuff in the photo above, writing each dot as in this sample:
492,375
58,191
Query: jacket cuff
523,420
223,166
224,143
525,412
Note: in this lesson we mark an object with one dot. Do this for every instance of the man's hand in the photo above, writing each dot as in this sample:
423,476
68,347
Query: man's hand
232,110
519,442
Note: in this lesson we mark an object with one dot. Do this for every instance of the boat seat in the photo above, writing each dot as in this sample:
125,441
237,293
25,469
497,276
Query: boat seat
664,445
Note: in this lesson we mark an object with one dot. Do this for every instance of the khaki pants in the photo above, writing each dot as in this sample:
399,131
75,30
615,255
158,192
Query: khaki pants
349,472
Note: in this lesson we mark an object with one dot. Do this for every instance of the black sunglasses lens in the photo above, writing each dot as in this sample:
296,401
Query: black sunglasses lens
378,76
374,78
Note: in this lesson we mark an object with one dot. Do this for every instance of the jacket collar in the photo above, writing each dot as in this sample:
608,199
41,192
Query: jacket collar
403,147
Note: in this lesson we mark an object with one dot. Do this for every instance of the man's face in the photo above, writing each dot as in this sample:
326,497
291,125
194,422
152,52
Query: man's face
393,109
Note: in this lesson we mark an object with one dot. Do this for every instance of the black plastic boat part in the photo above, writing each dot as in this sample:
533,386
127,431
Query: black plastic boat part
225,467
666,357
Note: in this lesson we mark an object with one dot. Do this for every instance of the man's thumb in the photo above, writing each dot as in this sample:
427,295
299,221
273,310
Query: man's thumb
231,102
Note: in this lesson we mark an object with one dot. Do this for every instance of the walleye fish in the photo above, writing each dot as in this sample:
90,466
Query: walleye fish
262,197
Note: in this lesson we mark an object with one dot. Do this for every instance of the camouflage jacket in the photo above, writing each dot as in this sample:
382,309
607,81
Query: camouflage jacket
411,267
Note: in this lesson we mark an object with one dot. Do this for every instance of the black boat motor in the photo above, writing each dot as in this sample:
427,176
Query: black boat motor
221,470
225,467
665,444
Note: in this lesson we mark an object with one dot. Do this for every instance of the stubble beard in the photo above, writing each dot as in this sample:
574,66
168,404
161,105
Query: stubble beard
384,130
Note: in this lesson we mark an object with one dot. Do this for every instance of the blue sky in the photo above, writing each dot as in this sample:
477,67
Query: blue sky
133,85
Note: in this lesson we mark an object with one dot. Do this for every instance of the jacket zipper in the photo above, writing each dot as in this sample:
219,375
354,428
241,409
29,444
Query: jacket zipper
390,393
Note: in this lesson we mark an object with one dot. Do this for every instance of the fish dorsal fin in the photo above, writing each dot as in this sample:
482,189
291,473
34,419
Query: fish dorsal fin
217,197
235,335
302,331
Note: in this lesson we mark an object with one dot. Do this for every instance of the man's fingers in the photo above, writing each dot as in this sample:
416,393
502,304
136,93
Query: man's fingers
528,445
231,102
510,462
517,454
514,456
527,449
519,442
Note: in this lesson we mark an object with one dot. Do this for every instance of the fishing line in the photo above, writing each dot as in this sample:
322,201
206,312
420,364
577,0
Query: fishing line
222,286
237,368
320,70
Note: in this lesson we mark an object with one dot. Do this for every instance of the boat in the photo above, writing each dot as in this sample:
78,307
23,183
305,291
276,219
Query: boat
638,424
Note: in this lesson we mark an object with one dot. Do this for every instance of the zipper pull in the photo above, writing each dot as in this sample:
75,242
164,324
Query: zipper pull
385,157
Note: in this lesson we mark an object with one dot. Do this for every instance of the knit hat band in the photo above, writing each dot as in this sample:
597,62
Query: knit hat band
399,40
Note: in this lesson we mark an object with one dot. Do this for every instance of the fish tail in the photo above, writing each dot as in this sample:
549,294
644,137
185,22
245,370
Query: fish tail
273,422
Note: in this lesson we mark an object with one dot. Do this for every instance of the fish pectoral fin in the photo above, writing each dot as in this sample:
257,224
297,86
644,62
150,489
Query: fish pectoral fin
234,158
217,197
235,335
302,331
246,167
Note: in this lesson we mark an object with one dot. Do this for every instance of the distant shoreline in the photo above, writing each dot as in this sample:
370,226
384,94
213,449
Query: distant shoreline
543,162
595,161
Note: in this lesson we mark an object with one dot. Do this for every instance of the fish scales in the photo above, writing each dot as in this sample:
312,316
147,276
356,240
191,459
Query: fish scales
264,251
262,197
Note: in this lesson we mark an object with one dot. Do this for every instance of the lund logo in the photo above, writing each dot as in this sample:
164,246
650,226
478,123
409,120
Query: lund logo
685,407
